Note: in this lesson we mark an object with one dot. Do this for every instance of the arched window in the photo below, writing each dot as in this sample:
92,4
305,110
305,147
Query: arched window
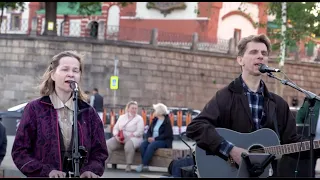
94,29
113,20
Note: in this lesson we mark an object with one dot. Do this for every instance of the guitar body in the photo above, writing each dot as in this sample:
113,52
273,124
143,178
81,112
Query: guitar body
211,166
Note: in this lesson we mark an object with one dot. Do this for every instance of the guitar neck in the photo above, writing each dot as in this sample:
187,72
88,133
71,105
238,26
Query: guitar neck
292,148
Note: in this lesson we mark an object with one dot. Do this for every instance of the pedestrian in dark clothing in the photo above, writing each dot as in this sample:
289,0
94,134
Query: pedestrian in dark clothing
96,101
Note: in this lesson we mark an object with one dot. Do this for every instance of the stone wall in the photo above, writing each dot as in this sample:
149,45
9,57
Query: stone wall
147,74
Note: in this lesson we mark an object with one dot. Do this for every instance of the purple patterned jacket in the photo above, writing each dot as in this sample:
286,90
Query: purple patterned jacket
36,148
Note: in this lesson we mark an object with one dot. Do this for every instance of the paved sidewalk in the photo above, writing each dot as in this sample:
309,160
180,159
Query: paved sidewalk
12,171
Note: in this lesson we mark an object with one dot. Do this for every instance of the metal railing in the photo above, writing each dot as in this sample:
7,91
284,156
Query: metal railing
14,27
100,31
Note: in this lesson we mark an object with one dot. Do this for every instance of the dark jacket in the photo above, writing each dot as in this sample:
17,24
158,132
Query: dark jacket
165,131
98,102
36,149
230,109
3,142
301,115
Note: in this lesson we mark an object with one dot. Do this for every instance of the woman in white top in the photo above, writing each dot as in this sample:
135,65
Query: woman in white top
159,135
132,126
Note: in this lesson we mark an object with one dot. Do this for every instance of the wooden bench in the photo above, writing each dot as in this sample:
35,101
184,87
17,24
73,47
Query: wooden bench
161,158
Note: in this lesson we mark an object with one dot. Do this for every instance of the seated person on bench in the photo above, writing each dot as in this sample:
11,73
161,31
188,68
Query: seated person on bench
159,135
132,126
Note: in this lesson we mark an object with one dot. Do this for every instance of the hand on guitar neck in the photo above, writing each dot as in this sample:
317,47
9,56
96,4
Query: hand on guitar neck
235,154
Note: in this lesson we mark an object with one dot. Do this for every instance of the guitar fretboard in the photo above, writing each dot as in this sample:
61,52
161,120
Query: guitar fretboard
291,148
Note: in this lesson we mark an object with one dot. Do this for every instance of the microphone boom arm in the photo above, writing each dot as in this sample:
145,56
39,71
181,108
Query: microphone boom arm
309,94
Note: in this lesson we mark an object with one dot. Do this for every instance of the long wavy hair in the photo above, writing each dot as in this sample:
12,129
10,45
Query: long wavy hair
47,85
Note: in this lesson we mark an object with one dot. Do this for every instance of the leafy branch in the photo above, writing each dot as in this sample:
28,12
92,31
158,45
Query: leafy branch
89,8
303,22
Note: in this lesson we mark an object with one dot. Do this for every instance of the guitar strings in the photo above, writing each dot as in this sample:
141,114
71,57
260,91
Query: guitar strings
262,150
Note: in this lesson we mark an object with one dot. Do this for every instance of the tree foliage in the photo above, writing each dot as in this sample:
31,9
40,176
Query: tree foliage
13,5
86,8
303,20
89,8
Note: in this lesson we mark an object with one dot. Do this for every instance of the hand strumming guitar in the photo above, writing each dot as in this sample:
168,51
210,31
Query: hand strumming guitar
235,154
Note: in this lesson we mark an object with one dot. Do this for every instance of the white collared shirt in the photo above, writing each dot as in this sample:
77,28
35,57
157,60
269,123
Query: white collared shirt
65,115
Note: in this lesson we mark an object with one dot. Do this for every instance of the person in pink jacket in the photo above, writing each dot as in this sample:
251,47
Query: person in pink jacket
132,126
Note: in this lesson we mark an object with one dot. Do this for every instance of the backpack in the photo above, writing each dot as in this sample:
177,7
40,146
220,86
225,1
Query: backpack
182,167
185,166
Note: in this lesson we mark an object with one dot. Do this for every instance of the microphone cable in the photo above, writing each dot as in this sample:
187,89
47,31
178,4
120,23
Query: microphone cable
299,153
288,78
303,128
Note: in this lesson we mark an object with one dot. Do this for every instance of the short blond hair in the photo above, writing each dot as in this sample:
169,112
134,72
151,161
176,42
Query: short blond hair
129,104
261,38
160,109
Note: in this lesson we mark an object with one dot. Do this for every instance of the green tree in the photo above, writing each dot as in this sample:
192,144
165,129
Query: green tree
88,8
303,21
12,5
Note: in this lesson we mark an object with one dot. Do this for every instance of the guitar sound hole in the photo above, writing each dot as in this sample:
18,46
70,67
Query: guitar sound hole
256,149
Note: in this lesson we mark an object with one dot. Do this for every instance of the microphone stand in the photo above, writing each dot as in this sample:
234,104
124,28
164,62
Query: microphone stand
312,123
75,153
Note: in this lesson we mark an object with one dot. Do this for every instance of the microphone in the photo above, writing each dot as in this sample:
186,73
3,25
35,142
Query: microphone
264,68
73,85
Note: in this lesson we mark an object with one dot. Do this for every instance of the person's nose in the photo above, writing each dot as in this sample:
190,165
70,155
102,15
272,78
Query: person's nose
260,56
70,74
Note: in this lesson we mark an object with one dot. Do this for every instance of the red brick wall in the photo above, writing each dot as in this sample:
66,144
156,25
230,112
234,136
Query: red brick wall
207,29
263,17
33,7
183,27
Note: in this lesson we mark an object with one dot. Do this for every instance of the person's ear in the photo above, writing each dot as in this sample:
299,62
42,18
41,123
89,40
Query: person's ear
240,60
52,76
